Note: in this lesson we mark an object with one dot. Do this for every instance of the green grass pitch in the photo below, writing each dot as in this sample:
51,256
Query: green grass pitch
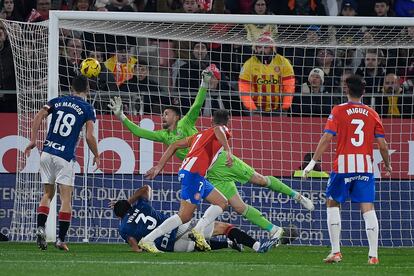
116,259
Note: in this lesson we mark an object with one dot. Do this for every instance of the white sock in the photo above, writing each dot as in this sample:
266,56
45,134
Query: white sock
273,230
334,228
372,229
167,226
209,216
256,246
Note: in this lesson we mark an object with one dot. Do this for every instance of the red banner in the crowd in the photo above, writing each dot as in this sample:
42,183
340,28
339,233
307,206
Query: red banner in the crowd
272,145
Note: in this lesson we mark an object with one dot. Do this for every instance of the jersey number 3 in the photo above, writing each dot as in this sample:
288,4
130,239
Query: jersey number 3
358,131
64,123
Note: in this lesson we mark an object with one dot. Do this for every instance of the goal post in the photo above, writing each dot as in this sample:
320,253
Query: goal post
169,51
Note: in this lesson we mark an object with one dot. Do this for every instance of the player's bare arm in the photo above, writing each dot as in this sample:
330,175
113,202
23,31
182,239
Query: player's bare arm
320,149
143,192
134,245
221,137
383,148
92,144
37,121
154,171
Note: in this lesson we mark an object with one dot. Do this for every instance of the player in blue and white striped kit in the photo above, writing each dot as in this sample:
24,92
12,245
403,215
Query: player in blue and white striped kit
68,115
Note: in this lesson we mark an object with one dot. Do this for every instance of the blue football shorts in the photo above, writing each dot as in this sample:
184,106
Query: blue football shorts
194,187
359,187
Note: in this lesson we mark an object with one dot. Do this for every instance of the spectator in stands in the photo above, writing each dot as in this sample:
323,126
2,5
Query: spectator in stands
382,8
147,95
83,5
121,64
298,7
8,11
342,89
349,8
325,59
365,7
259,7
404,8
7,74
373,73
145,5
314,100
119,6
70,62
41,13
393,103
191,6
266,72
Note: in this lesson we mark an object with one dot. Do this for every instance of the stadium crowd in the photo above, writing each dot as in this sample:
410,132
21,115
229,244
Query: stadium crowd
307,81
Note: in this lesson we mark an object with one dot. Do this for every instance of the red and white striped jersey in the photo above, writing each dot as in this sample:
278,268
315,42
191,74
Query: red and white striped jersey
356,127
204,149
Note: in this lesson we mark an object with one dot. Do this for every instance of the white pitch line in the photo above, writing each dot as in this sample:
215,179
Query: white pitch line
184,263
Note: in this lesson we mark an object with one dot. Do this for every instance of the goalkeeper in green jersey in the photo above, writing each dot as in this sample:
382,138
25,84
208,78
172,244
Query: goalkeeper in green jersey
224,178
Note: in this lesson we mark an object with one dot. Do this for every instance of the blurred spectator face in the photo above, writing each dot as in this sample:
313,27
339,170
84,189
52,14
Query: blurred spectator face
200,51
381,9
3,34
74,50
43,6
410,31
260,7
312,37
119,3
371,61
325,57
122,56
264,50
348,11
344,87
82,5
391,84
142,71
8,6
96,55
315,81
191,6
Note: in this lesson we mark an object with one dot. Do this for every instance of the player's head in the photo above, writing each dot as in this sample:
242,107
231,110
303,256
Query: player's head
220,117
80,85
355,86
170,116
121,208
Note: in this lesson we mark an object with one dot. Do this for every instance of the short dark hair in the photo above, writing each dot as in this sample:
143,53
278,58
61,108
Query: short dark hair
121,208
80,84
221,117
173,108
356,86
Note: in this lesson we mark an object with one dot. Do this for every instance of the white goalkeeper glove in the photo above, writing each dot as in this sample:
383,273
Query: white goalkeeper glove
308,168
205,78
116,106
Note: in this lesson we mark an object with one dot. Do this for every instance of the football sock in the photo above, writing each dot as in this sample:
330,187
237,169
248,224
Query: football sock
42,213
334,227
257,218
276,185
167,226
64,222
209,216
215,244
241,237
372,228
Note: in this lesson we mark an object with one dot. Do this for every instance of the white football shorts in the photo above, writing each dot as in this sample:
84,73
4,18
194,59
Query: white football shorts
54,169
183,243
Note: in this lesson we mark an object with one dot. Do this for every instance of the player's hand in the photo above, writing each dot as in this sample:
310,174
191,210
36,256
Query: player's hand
96,162
388,170
229,161
116,106
29,148
153,172
111,204
308,168
206,76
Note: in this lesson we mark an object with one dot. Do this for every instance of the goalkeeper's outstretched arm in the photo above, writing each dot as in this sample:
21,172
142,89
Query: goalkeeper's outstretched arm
116,107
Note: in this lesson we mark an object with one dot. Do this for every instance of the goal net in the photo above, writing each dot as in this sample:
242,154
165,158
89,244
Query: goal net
152,61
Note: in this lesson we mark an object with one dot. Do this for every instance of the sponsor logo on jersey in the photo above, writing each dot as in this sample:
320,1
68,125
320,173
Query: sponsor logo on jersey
264,81
54,145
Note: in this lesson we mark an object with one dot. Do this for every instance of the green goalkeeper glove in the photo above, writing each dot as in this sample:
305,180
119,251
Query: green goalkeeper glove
205,78
116,107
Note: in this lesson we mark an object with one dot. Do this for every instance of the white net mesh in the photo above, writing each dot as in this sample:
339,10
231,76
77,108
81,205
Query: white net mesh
152,65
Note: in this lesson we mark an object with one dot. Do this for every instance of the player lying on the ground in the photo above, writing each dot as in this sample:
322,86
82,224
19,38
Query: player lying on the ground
138,218
223,178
